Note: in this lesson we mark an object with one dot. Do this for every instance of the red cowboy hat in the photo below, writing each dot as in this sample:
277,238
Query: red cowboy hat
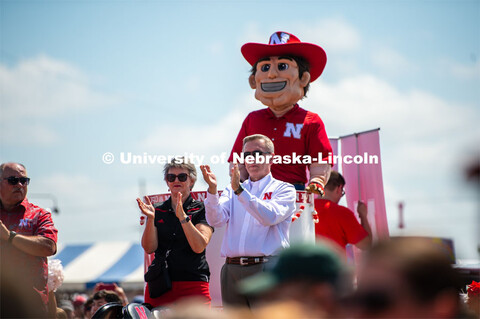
283,43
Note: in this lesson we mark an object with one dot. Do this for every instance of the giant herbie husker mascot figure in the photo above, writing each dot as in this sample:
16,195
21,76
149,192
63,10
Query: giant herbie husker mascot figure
281,73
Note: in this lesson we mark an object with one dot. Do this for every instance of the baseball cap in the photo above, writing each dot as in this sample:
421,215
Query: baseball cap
311,262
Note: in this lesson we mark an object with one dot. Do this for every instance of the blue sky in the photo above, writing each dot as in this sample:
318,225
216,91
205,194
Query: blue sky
81,78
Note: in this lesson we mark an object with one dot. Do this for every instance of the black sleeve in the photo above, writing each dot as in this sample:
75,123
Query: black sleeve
198,216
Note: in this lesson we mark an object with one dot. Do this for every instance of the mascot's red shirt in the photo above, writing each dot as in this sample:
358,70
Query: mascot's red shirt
299,132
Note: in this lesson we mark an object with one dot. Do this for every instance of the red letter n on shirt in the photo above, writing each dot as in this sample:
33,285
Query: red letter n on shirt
267,196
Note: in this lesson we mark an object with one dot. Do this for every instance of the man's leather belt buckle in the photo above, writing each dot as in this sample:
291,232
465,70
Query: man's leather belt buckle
246,261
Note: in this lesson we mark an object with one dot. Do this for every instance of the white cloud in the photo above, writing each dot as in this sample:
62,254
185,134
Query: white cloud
203,138
23,133
69,188
365,102
391,62
42,88
334,35
422,136
464,71
89,207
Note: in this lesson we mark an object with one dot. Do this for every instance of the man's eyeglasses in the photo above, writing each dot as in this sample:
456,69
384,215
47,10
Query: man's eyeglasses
343,192
254,153
12,180
182,177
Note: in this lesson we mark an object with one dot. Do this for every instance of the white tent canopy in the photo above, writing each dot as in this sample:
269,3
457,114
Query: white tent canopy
84,265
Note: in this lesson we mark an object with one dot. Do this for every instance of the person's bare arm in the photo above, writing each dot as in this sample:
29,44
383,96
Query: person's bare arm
362,211
33,245
319,175
198,236
149,237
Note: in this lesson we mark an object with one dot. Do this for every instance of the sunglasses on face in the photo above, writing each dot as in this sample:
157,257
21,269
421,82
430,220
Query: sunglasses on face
12,180
182,177
254,153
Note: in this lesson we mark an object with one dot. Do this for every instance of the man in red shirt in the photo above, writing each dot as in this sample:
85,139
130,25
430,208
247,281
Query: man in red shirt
281,74
27,237
338,223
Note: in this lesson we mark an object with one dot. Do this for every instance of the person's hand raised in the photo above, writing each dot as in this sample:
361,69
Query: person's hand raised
179,212
209,178
146,207
235,177
362,210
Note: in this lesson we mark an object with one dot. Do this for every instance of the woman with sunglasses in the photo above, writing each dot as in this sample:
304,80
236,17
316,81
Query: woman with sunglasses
179,226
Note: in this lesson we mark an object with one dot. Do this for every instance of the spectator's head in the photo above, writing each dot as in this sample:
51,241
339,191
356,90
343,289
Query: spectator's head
87,308
261,147
334,188
13,184
61,314
103,297
312,275
67,307
79,306
180,175
405,278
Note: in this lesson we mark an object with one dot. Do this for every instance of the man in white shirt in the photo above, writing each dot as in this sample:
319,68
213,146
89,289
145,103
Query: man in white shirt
257,214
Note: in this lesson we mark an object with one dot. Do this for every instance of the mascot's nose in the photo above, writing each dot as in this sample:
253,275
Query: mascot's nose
272,73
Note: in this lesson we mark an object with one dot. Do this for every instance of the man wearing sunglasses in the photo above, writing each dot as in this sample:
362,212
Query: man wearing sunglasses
28,236
257,214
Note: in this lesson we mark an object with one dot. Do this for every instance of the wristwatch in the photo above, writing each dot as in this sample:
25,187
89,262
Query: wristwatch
239,190
11,236
186,220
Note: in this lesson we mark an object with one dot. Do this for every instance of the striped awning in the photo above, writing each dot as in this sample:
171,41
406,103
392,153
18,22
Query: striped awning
84,265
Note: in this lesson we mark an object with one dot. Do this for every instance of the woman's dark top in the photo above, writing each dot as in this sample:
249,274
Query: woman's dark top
183,263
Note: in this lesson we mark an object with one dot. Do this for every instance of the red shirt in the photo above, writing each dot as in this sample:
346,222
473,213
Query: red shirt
338,223
29,220
298,131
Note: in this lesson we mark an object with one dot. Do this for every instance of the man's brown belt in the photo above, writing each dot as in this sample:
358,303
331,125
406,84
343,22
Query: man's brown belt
246,261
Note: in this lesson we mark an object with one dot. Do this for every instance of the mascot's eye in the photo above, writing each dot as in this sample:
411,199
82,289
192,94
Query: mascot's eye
282,66
265,67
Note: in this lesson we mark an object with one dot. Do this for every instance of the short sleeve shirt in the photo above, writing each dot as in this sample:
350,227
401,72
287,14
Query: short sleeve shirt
299,132
338,223
29,220
184,264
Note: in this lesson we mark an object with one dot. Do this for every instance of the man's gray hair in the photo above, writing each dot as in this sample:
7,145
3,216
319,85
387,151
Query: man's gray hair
268,142
181,162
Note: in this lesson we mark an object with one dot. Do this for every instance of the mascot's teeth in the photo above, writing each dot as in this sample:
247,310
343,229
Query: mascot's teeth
273,87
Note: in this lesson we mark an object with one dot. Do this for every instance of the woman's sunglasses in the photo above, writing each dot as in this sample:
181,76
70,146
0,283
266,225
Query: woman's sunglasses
182,177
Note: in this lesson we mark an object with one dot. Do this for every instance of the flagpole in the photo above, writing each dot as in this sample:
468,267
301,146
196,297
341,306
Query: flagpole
358,168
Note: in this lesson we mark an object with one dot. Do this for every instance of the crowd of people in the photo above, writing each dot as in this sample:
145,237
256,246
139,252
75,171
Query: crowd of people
398,278
263,275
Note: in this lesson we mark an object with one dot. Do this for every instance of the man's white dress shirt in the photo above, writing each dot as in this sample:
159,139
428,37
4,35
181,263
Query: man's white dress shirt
257,221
